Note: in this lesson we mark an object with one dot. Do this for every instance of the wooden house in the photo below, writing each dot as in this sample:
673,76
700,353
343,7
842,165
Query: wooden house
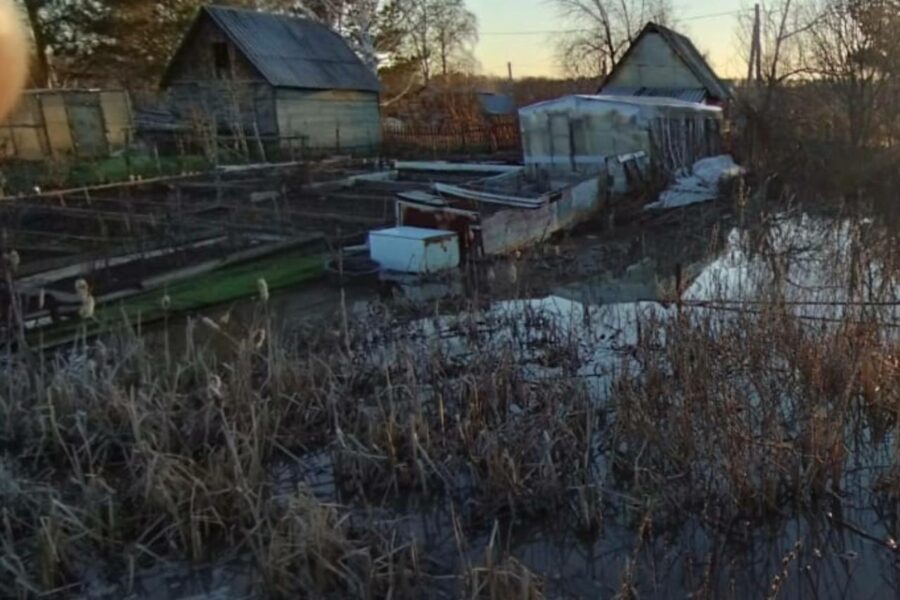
275,78
663,63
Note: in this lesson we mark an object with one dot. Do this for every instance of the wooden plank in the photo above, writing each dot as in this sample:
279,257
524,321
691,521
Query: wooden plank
447,167
56,194
488,198
86,267
56,122
133,245
236,169
420,197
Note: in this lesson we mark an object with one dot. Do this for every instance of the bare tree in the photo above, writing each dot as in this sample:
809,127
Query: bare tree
783,41
355,20
61,28
603,30
361,28
437,34
828,85
455,28
855,51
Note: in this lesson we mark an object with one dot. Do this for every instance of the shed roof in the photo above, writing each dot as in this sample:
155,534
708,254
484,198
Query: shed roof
637,103
289,51
494,104
685,49
686,94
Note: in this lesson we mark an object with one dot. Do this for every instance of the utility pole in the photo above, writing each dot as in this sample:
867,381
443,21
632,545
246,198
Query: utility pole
755,46
759,76
755,63
509,69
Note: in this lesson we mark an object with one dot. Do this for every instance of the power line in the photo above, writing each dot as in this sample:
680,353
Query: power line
715,15
583,30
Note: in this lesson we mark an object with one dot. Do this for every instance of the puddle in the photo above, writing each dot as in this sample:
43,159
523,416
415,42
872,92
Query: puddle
846,538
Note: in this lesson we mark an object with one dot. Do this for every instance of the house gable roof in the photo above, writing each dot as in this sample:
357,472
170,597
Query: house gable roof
288,52
686,51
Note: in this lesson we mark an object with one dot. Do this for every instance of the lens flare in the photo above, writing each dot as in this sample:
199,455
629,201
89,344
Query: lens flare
13,56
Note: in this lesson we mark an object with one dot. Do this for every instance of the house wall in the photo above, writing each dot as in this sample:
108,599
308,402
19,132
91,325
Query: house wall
196,92
653,63
329,119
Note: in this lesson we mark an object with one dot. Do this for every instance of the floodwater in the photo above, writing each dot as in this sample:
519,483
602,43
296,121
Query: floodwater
843,546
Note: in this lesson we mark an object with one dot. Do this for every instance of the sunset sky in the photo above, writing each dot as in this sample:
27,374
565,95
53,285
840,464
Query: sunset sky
520,31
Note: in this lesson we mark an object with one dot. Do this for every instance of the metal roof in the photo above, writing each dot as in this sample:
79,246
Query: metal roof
641,103
496,104
686,94
685,49
292,52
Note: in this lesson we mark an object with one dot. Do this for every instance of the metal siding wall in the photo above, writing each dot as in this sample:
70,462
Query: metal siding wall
330,119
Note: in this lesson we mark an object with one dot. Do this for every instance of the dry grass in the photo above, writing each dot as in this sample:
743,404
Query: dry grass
123,453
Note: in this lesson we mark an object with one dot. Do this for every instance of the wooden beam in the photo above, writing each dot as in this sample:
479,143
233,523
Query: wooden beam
103,186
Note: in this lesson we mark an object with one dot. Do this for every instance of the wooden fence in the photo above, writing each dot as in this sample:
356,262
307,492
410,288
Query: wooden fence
490,138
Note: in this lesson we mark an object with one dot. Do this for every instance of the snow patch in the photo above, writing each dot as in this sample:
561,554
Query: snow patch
700,184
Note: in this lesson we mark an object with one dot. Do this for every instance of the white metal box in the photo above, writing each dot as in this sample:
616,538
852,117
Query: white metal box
414,250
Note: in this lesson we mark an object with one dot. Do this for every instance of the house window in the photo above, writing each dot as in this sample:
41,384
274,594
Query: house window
221,60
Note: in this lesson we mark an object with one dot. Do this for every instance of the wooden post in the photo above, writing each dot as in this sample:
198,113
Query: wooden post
259,142
179,212
679,285
179,142
159,168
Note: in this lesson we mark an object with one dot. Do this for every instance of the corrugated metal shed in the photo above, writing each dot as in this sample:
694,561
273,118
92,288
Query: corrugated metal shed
292,52
685,49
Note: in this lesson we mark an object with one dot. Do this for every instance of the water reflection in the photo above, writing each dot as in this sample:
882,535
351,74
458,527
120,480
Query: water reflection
839,544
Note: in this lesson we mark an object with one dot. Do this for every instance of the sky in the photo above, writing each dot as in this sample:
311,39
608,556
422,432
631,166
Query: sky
520,31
